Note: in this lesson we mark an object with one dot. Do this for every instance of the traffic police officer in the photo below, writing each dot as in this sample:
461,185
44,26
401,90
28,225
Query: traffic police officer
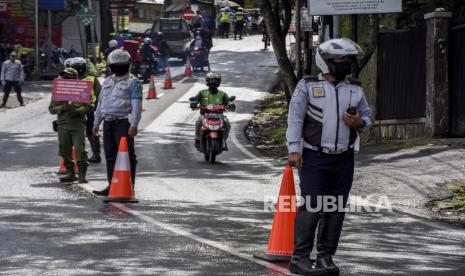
71,126
225,18
239,19
80,64
326,114
120,107
12,75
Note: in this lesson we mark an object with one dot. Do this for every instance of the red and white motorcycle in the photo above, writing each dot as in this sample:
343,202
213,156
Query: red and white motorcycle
212,129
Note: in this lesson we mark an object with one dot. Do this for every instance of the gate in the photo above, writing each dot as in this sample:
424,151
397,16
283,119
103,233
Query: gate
401,75
456,81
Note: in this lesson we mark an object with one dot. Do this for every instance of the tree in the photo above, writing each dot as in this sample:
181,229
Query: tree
277,15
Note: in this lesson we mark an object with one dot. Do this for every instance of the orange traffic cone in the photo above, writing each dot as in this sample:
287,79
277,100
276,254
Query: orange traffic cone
152,94
168,82
62,169
281,242
188,70
121,188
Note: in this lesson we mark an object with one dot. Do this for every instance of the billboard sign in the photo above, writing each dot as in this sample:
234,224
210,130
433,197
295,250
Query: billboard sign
342,7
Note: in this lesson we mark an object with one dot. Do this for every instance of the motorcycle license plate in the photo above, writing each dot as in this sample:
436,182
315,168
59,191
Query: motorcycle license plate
214,116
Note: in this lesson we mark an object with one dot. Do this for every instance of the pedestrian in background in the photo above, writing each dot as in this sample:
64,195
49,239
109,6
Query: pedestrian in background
12,75
120,108
326,114
71,126
81,66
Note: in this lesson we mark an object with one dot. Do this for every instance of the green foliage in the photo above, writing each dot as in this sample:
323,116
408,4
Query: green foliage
459,199
251,4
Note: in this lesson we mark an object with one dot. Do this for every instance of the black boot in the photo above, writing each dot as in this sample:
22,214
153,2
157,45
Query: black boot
103,192
329,233
69,177
95,158
197,144
95,146
82,175
225,146
304,235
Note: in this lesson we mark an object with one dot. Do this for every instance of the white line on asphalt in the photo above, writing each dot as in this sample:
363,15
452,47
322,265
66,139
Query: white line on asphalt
266,163
194,237
184,79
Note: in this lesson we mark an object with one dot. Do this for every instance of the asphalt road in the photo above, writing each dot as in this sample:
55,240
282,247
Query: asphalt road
193,218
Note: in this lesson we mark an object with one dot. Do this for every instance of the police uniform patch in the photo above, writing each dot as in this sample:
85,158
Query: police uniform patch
318,92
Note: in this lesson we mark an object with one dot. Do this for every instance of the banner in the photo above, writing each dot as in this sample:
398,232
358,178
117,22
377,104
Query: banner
77,91
341,7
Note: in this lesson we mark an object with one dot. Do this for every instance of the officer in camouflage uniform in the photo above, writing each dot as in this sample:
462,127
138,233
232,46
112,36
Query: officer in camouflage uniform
82,67
212,96
120,107
71,132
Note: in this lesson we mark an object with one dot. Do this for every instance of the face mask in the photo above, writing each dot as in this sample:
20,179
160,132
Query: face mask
342,69
213,85
119,69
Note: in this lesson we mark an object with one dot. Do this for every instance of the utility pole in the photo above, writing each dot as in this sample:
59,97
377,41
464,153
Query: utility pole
337,26
36,67
213,18
298,45
106,23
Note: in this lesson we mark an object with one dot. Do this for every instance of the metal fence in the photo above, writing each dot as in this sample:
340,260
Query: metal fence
401,92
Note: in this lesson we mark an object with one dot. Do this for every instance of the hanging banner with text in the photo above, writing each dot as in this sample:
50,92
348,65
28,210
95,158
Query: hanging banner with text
342,7
66,90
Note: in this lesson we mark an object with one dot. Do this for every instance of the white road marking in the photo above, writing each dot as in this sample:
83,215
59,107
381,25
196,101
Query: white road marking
266,163
196,238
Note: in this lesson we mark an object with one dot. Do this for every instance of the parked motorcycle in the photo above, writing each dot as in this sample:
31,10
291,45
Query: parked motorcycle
212,129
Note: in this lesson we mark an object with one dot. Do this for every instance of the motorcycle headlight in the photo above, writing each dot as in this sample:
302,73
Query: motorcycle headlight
215,127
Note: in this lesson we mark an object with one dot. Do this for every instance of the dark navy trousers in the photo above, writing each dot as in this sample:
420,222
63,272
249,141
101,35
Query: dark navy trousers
325,174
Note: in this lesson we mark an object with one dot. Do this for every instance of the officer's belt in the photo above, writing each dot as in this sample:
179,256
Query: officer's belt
111,119
326,150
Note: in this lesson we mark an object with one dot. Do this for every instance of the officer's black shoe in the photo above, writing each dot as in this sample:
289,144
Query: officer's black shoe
327,263
70,177
21,104
305,267
225,146
82,175
103,192
2,105
95,159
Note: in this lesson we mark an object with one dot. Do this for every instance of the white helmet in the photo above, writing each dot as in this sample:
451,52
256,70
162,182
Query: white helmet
119,62
67,62
334,48
112,43
77,60
119,56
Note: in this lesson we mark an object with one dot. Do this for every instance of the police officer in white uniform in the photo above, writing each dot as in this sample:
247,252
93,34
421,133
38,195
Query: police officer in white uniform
12,75
120,107
326,114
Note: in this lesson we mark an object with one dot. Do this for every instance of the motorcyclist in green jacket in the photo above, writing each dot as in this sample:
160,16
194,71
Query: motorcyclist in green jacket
71,124
212,96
